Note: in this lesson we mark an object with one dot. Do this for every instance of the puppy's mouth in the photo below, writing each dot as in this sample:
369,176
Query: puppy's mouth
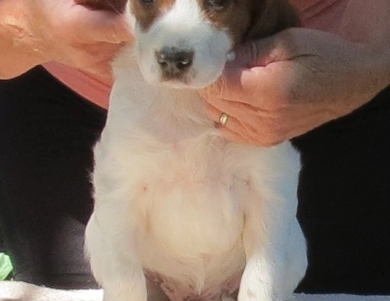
177,83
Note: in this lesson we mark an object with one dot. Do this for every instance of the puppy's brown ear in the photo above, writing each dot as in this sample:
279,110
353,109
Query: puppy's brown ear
269,17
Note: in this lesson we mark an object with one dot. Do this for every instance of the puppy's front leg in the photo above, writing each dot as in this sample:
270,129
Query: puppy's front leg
114,262
261,276
265,237
119,288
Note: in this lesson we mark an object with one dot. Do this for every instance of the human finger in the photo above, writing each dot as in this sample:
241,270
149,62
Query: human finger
231,129
216,115
117,6
95,58
236,130
237,109
234,137
245,136
252,71
101,25
265,128
257,86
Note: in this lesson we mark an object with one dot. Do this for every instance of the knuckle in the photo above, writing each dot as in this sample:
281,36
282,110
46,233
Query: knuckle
287,41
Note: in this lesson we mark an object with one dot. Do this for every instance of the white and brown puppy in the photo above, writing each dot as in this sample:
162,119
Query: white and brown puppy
182,213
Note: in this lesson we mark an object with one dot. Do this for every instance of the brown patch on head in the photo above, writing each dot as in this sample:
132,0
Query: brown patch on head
232,15
147,11
249,19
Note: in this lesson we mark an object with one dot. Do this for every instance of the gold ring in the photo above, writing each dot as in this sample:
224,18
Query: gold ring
223,119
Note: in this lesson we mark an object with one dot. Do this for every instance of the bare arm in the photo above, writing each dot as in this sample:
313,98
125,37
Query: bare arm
368,26
288,84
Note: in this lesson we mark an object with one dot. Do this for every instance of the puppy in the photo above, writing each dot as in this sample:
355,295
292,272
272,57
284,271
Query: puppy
181,213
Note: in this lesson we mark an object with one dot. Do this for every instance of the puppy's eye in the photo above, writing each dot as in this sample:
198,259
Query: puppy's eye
216,4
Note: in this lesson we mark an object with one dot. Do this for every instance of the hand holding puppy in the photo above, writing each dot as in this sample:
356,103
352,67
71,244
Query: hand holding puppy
288,84
85,34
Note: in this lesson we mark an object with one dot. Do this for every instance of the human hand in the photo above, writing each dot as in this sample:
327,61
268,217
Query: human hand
85,34
288,84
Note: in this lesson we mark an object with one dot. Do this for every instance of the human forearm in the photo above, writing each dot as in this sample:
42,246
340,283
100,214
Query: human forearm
19,49
377,65
361,73
368,27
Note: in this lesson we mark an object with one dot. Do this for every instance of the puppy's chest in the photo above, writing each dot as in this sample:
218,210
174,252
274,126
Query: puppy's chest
189,205
189,164
188,188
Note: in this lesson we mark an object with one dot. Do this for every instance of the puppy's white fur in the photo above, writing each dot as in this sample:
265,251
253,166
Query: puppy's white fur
174,200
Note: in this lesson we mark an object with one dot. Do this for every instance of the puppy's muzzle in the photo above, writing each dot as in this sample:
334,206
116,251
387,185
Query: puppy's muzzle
174,62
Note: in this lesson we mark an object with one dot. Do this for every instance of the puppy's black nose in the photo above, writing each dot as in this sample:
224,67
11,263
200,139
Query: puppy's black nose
174,61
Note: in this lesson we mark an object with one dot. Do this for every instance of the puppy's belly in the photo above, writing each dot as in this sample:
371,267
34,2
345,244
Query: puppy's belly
191,242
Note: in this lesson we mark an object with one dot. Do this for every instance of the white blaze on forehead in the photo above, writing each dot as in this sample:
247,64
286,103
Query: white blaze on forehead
185,13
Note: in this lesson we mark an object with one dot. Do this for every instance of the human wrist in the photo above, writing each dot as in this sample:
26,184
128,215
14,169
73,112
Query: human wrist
382,55
375,65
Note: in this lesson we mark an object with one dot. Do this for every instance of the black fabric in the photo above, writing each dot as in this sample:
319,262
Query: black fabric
344,202
47,133
46,137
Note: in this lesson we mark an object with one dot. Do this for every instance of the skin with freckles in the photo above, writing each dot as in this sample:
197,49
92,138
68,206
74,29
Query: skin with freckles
286,85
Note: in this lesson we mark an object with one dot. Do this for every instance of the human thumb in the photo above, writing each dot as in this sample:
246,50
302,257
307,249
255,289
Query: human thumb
261,52
247,55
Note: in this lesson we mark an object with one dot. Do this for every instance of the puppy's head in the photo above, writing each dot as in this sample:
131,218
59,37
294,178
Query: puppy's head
186,43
